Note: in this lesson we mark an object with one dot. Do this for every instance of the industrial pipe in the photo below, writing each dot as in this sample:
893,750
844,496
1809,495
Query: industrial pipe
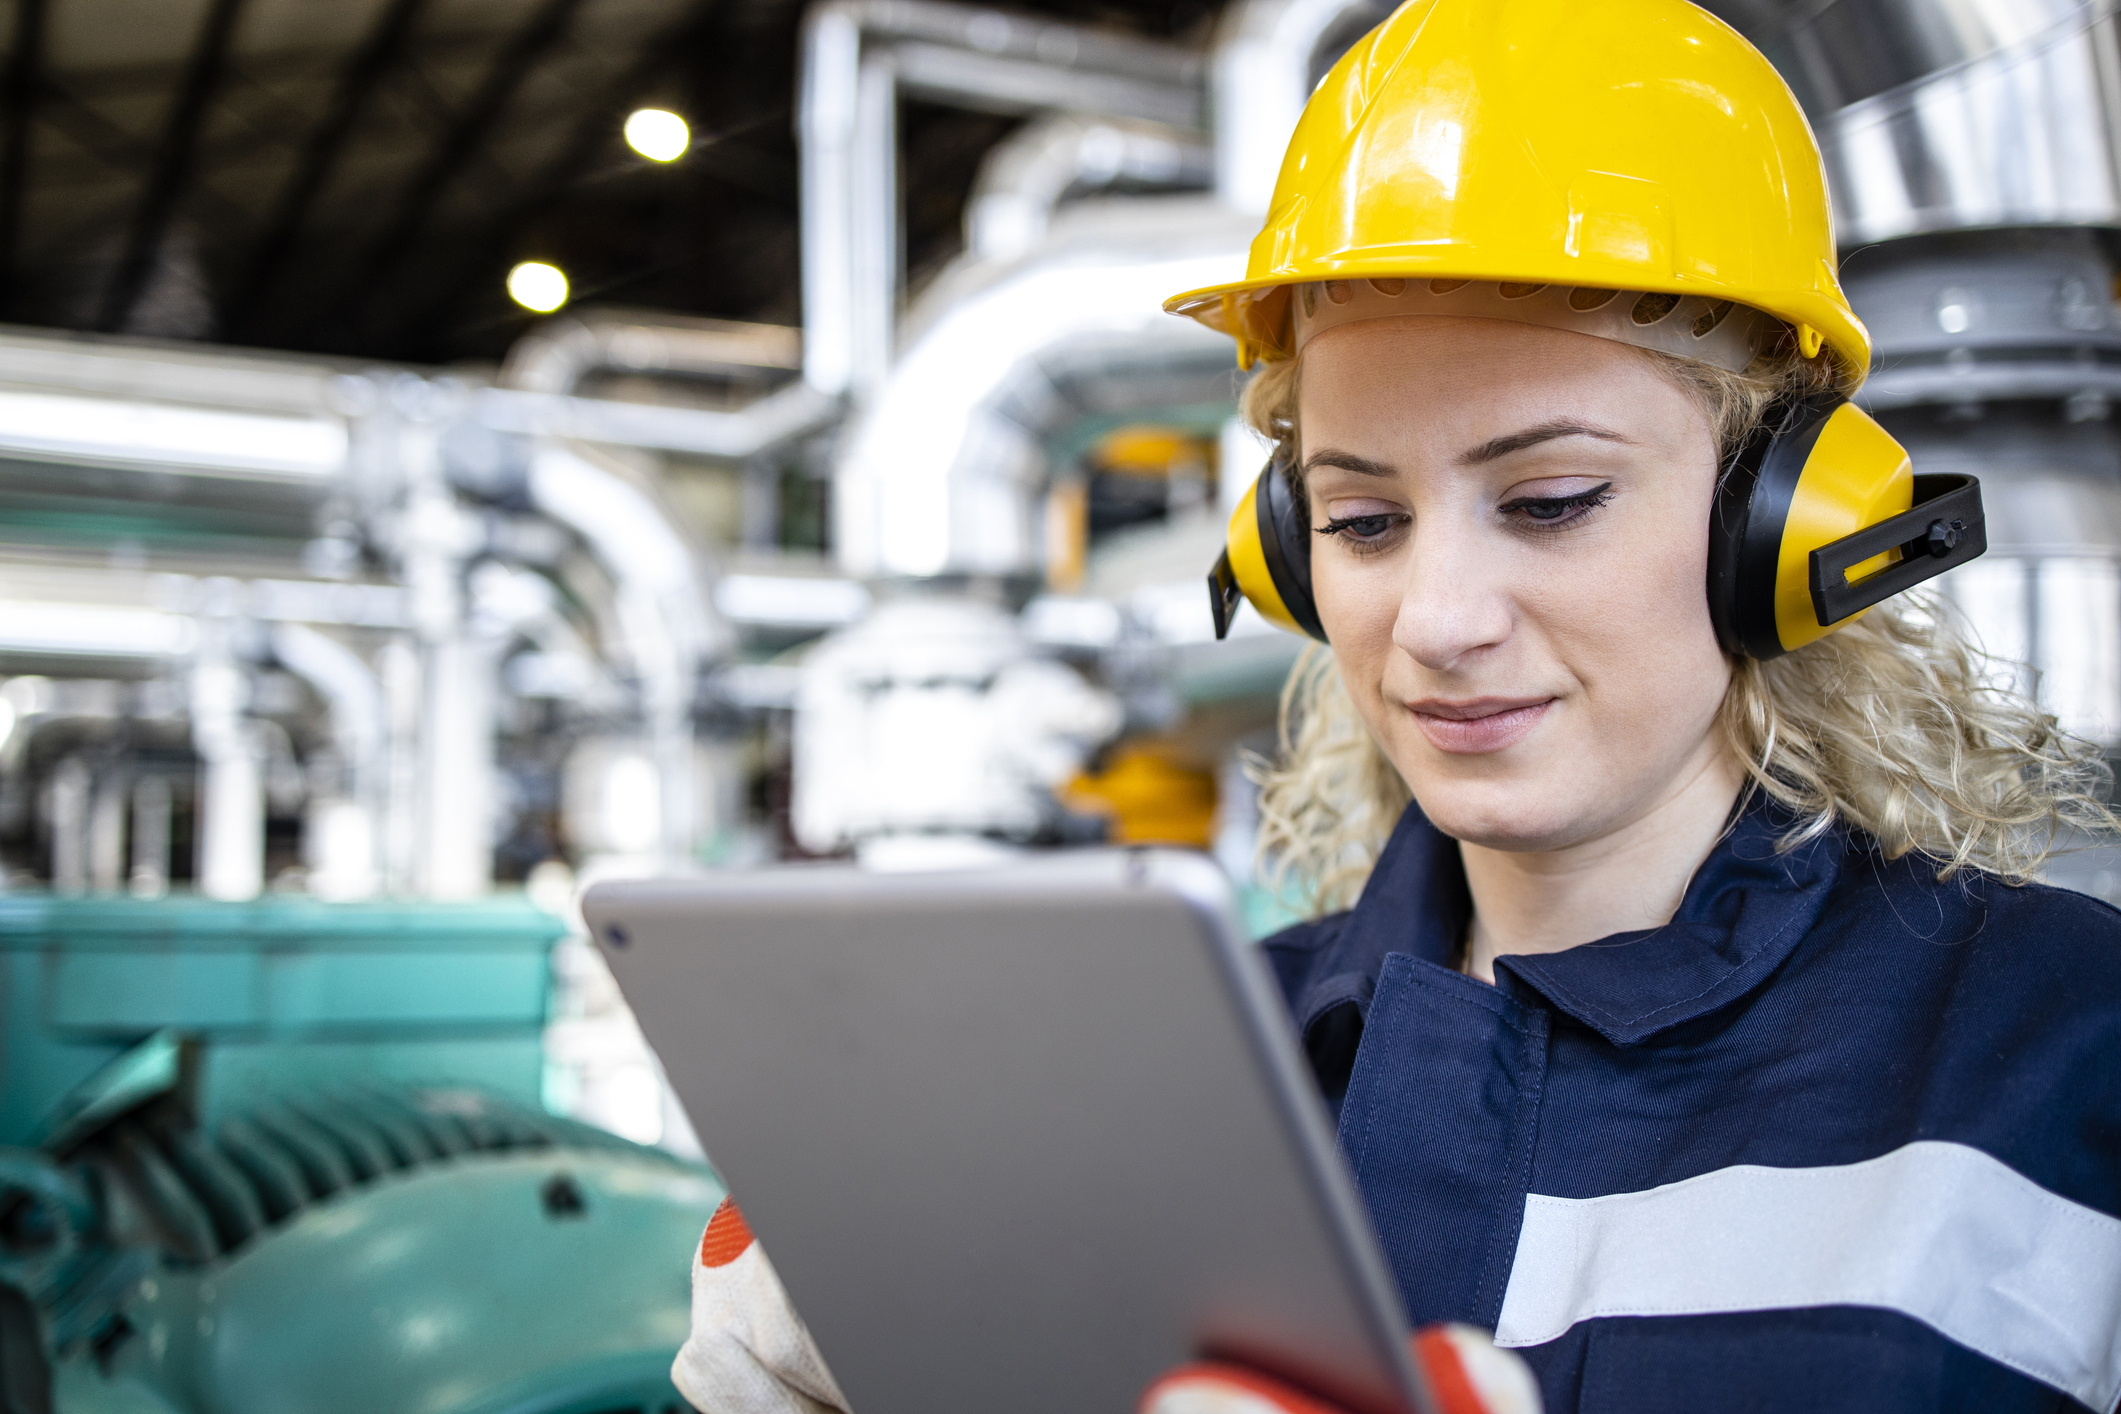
1024,178
662,606
343,860
944,472
1269,55
231,830
857,56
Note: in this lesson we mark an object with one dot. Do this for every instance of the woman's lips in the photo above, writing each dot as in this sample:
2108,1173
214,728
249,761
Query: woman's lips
1476,725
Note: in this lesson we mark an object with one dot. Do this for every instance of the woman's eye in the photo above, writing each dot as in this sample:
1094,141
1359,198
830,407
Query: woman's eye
1558,510
1363,530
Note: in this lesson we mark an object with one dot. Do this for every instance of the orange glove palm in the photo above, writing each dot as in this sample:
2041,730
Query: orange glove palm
1465,1370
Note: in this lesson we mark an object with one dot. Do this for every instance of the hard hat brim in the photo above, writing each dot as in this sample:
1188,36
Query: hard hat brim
1249,312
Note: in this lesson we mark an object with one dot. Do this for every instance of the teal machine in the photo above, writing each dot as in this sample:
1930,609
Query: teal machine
286,1156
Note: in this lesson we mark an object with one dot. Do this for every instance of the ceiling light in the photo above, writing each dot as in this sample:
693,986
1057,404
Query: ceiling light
537,286
658,135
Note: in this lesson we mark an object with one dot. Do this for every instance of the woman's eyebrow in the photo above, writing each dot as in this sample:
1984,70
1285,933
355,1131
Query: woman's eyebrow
1500,447
1348,461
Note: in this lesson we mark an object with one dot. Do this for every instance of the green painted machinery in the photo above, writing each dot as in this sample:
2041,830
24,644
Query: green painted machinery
286,1156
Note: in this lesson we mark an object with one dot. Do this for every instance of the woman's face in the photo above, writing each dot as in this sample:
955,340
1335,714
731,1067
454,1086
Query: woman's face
1511,560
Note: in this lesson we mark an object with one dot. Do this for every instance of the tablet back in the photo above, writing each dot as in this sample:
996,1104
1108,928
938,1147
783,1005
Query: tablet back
1021,1138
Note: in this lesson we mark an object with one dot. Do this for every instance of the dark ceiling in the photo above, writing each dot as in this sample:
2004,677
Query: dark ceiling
355,177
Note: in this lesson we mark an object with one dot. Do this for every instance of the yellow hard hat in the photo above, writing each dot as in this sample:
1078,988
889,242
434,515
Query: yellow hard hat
1637,145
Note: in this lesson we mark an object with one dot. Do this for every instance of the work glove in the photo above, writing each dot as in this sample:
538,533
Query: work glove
749,1353
1467,1374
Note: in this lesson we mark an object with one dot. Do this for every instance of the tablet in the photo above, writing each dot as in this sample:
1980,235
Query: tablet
1022,1137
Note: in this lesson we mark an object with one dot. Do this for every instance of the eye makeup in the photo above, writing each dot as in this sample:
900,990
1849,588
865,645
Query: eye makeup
1551,512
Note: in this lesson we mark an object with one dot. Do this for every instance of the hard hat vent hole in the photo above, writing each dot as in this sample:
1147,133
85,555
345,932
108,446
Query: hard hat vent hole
1338,291
1583,301
1394,288
1309,295
1716,314
1653,307
1444,287
1510,290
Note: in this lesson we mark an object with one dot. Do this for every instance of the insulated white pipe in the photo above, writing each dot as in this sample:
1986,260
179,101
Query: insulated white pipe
944,472
456,762
1262,77
1023,179
662,609
344,857
231,829
857,54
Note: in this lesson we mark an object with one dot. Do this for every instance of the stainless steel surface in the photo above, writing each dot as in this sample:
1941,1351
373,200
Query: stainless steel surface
1838,52
1988,316
2045,600
1942,116
1070,1094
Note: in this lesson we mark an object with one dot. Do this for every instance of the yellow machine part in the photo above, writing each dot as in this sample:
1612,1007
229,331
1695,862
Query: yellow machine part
1149,798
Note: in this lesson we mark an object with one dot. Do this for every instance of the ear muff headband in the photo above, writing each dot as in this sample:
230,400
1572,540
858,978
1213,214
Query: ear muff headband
1267,559
1818,517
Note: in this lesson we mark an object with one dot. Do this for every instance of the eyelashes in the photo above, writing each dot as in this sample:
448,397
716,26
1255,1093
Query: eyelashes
1550,512
1536,514
1363,530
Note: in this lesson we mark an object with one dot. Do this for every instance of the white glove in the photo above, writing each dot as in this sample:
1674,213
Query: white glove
749,1353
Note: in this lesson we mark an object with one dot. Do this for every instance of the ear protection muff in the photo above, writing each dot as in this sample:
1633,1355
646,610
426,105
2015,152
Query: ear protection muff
1266,559
1818,516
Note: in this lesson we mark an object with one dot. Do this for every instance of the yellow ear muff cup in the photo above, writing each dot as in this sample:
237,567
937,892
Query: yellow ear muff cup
1856,476
1821,472
1267,558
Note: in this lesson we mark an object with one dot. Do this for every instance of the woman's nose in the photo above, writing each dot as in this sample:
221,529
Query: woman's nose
1450,604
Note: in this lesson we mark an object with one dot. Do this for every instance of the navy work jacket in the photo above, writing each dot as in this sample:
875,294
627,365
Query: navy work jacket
1839,1137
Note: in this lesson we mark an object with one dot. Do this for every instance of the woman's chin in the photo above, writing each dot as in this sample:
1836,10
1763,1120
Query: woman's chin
1524,815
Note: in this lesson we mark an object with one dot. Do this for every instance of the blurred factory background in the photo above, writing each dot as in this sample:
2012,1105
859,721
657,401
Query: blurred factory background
454,449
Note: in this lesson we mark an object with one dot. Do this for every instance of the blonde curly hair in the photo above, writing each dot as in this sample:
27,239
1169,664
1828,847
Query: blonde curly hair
1897,724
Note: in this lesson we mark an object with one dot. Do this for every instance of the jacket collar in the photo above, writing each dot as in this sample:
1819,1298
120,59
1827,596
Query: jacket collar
1744,912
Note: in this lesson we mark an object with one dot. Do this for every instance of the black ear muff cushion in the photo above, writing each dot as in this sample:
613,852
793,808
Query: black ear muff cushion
1746,522
1285,543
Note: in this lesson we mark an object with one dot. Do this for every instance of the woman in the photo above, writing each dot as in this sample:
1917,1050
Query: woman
1697,1028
